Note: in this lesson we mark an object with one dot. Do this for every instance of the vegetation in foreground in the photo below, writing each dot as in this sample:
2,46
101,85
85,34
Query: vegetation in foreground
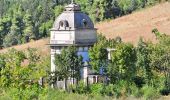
140,72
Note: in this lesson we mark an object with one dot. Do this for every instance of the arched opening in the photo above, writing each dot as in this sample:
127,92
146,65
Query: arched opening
84,22
63,24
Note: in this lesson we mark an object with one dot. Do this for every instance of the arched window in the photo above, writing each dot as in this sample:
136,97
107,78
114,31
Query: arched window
84,23
66,23
63,24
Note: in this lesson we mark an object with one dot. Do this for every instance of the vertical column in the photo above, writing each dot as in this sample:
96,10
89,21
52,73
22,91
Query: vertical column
85,74
52,63
54,50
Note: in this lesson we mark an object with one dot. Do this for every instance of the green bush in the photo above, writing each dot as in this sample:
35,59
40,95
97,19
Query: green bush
108,90
30,93
81,88
135,91
150,93
120,89
165,91
96,89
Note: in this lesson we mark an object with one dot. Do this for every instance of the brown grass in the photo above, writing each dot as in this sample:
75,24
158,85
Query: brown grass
138,24
130,27
41,46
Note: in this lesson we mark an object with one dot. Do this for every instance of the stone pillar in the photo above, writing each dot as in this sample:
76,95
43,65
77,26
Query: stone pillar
52,63
85,74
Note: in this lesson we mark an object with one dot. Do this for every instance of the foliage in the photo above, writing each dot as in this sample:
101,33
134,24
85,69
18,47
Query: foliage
122,63
18,69
136,71
96,89
98,54
143,61
150,93
26,20
68,64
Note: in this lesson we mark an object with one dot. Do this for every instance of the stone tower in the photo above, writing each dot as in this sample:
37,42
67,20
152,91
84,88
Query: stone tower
72,28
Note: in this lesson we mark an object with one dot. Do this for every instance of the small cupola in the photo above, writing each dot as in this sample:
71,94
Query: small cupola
73,7
73,18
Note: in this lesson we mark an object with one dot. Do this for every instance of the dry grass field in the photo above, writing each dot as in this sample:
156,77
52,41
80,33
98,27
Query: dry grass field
130,28
40,45
138,24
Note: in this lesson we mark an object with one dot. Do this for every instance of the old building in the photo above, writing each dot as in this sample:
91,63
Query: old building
73,27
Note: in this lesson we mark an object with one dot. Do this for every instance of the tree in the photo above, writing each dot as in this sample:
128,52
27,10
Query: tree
68,64
5,25
98,54
160,56
28,31
162,65
11,75
16,30
144,62
2,62
122,63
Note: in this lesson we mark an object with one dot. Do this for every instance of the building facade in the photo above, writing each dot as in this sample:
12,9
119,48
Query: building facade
72,28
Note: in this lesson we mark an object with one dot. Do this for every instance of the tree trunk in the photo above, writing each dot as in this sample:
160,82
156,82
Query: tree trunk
65,82
57,83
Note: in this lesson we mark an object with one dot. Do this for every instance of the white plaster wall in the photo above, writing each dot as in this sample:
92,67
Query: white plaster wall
62,37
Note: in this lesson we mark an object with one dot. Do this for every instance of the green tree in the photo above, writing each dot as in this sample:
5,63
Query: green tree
5,25
28,31
68,64
98,54
10,72
123,63
160,57
144,62
15,72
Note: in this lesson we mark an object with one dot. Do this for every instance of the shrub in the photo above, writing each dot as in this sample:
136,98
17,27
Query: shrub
81,88
139,81
120,89
135,91
149,93
96,89
30,93
165,91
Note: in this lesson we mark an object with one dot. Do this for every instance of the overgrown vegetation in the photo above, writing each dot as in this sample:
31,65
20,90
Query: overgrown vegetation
137,72
26,20
141,72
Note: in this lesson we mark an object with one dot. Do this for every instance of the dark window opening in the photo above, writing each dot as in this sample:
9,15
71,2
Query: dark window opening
84,23
64,23
61,24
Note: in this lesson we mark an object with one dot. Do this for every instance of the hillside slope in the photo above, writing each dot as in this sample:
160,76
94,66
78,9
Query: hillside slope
129,27
41,46
138,24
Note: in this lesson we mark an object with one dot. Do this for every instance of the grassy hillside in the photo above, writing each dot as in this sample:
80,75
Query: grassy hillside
41,45
138,24
129,27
